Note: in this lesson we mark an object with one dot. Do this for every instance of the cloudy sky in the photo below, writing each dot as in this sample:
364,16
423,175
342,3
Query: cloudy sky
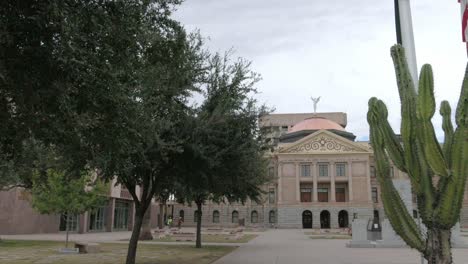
336,49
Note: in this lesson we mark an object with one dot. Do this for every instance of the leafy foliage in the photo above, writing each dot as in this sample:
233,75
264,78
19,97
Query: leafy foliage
60,195
223,151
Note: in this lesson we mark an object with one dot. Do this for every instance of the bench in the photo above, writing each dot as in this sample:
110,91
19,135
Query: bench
87,247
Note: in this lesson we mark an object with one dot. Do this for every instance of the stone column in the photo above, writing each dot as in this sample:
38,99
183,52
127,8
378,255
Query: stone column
110,215
316,219
280,175
334,219
298,184
315,181
332,182
350,181
83,223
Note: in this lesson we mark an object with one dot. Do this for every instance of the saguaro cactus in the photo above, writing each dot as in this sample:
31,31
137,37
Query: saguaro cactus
437,174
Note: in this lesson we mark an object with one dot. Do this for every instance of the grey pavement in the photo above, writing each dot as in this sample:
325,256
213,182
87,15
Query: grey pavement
291,246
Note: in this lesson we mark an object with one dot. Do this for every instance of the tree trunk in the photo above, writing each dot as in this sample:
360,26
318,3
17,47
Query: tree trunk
439,247
199,218
160,220
132,246
67,220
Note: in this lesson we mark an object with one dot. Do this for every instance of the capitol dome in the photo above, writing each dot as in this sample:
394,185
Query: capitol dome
316,123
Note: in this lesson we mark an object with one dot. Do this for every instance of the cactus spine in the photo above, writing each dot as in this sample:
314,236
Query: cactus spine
437,174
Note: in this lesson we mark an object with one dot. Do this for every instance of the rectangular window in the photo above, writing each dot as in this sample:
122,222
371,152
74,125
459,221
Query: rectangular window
97,219
322,194
323,169
375,197
372,171
121,213
340,169
271,195
306,195
305,170
340,194
70,221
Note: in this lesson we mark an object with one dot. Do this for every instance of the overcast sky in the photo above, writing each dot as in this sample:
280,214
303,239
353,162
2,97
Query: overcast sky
336,49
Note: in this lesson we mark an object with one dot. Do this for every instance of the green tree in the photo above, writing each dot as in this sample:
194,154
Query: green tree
223,151
104,82
63,66
64,196
437,174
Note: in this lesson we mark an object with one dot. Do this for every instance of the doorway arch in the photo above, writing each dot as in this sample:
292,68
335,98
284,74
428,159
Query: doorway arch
343,219
324,219
307,219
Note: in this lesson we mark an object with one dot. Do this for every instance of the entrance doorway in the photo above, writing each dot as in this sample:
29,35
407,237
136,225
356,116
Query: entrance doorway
325,219
307,219
343,219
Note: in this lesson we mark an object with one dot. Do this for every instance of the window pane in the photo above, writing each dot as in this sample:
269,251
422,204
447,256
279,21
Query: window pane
322,194
323,170
272,217
121,215
375,195
254,217
235,217
216,217
341,169
305,170
271,195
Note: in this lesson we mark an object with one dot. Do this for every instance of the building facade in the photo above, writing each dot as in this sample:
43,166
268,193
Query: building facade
118,214
323,178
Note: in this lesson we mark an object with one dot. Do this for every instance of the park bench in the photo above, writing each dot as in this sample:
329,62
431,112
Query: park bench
87,247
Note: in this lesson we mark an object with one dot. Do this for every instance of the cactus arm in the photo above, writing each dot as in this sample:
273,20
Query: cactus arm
392,145
445,112
421,178
408,107
425,111
395,209
452,194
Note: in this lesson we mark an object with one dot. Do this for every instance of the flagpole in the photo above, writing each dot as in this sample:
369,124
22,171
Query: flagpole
405,37
403,12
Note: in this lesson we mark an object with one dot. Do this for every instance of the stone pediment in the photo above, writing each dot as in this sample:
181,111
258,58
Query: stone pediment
323,142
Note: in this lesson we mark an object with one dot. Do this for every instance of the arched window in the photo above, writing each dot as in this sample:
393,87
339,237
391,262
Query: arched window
195,216
235,217
215,216
254,217
272,217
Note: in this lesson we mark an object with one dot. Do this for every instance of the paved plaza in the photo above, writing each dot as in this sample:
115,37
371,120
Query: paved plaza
279,246
291,246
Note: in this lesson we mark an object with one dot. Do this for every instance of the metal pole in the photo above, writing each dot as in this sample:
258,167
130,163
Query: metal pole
407,37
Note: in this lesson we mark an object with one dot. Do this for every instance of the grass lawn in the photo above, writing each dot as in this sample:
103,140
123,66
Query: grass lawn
221,238
25,252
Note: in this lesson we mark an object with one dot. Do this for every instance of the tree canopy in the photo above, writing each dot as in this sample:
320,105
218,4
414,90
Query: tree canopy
223,150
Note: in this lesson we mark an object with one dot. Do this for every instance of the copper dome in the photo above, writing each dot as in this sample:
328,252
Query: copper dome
316,123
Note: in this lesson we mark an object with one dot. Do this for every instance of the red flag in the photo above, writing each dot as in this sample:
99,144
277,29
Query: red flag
464,16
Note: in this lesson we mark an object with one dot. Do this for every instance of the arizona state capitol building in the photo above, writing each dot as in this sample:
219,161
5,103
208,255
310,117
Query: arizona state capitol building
323,178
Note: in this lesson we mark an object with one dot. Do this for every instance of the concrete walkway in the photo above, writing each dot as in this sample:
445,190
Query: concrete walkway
286,246
107,237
